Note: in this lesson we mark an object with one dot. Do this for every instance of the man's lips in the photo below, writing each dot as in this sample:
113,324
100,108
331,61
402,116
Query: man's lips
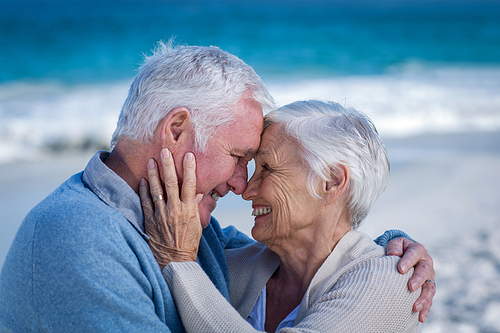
214,195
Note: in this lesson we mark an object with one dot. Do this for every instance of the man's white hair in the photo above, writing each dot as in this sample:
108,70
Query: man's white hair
329,135
205,80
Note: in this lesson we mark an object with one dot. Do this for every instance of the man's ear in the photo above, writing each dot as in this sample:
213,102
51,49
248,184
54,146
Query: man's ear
339,178
176,129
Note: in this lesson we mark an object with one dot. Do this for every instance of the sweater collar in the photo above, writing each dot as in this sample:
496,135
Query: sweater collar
113,190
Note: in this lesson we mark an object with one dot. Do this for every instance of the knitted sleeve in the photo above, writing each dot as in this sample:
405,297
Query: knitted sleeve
364,300
201,306
389,235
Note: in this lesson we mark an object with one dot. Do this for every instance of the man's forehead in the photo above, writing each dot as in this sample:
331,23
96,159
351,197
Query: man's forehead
245,133
242,143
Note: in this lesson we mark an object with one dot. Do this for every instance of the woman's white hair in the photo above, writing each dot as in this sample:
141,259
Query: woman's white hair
205,80
329,135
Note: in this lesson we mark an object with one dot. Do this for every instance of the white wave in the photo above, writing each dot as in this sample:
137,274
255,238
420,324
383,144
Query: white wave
413,101
37,119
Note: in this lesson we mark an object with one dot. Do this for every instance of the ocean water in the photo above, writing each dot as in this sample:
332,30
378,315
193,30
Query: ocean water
415,67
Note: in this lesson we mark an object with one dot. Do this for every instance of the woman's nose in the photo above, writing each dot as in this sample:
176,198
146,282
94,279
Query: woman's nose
251,192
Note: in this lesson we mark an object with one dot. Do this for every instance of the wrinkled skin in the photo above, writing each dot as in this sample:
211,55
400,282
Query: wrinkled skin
416,255
173,226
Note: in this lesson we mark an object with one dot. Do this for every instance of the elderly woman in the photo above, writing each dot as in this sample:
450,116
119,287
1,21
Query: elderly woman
319,169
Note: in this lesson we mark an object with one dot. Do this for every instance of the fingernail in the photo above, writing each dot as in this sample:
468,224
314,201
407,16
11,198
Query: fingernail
198,198
424,317
189,156
151,164
165,153
419,307
413,285
143,182
404,267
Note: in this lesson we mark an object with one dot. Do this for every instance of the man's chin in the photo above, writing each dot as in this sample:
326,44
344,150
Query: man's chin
206,206
205,219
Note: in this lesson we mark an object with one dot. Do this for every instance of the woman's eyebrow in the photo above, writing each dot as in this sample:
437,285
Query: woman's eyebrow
262,152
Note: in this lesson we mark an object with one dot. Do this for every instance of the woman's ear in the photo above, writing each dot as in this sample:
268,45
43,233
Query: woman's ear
176,129
340,176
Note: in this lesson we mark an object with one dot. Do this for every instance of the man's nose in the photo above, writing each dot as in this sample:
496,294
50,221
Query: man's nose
238,181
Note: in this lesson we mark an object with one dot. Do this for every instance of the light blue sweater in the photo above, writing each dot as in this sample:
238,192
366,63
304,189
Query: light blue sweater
80,262
78,265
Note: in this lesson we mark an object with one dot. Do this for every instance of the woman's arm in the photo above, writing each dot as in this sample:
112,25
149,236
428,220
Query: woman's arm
201,307
367,299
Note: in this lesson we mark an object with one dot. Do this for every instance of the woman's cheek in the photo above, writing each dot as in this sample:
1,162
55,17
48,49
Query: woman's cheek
284,206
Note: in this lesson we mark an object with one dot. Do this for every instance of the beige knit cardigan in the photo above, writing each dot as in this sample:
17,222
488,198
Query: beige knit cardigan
357,289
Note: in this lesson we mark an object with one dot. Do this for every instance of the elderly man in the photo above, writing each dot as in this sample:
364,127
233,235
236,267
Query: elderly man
81,261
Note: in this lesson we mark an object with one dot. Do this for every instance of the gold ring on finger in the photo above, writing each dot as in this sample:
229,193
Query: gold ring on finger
157,197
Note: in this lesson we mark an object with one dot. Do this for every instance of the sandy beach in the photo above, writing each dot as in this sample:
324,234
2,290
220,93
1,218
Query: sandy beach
443,191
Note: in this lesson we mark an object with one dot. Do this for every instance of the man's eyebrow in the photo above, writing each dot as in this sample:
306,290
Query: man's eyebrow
249,153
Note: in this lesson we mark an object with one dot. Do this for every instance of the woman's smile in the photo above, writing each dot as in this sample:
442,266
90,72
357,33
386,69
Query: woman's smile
261,211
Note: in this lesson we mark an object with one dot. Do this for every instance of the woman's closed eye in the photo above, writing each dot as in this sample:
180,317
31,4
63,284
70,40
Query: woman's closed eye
265,168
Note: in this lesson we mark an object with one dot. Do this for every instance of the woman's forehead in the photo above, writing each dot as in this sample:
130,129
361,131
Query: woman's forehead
274,142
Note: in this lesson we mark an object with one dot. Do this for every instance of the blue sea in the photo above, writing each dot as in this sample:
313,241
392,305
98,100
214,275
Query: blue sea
415,67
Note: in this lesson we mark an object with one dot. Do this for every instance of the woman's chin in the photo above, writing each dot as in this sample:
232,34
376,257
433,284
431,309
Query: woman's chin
259,226
255,234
